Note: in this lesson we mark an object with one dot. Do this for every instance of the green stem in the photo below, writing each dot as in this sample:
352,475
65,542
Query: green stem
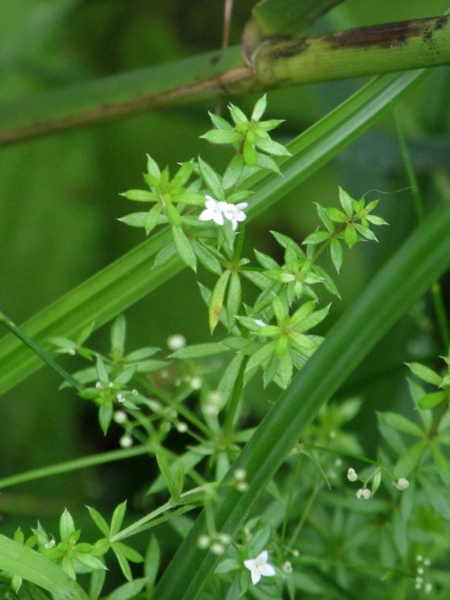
25,339
72,465
365,51
436,292
290,500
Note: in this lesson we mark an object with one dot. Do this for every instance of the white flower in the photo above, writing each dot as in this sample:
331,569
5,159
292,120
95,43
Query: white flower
363,494
259,567
214,211
126,441
176,341
120,416
402,483
219,211
260,323
235,213
352,475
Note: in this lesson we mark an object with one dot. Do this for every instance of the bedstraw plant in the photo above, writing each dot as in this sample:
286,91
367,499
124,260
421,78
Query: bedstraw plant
327,521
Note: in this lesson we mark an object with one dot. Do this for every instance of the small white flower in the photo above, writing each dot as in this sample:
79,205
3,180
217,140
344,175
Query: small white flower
401,484
217,548
240,474
214,211
120,416
126,441
50,544
203,542
287,568
176,341
259,567
235,213
352,475
260,323
196,382
363,494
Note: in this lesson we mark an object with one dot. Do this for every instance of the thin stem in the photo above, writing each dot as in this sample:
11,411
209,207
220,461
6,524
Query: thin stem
290,498
22,336
436,292
72,465
307,510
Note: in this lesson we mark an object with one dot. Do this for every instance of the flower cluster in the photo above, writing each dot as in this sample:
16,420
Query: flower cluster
219,211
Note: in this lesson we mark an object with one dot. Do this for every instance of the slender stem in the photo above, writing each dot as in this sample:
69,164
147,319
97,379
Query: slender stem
290,499
307,510
72,465
365,51
23,337
436,292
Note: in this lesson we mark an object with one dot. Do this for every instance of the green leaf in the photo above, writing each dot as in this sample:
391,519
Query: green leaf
217,299
350,236
219,121
233,298
409,461
117,518
346,202
34,567
212,180
424,373
105,415
259,108
164,469
200,350
222,136
152,560
118,334
261,356
99,521
324,217
184,248
66,526
123,564
336,253
273,148
140,196
129,553
233,172
317,237
402,424
152,217
207,257
152,168
137,219
429,401
437,499
441,462
128,591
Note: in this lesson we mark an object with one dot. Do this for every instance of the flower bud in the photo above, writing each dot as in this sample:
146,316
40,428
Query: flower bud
352,475
401,484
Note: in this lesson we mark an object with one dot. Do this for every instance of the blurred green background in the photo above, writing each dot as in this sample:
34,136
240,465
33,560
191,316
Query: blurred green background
59,208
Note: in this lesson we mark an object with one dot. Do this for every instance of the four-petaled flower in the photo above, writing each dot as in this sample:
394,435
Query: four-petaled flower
219,211
259,566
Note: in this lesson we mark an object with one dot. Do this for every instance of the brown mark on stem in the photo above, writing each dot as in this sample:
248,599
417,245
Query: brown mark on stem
387,35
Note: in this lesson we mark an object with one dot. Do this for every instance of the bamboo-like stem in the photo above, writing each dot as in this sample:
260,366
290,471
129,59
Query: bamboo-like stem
357,52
